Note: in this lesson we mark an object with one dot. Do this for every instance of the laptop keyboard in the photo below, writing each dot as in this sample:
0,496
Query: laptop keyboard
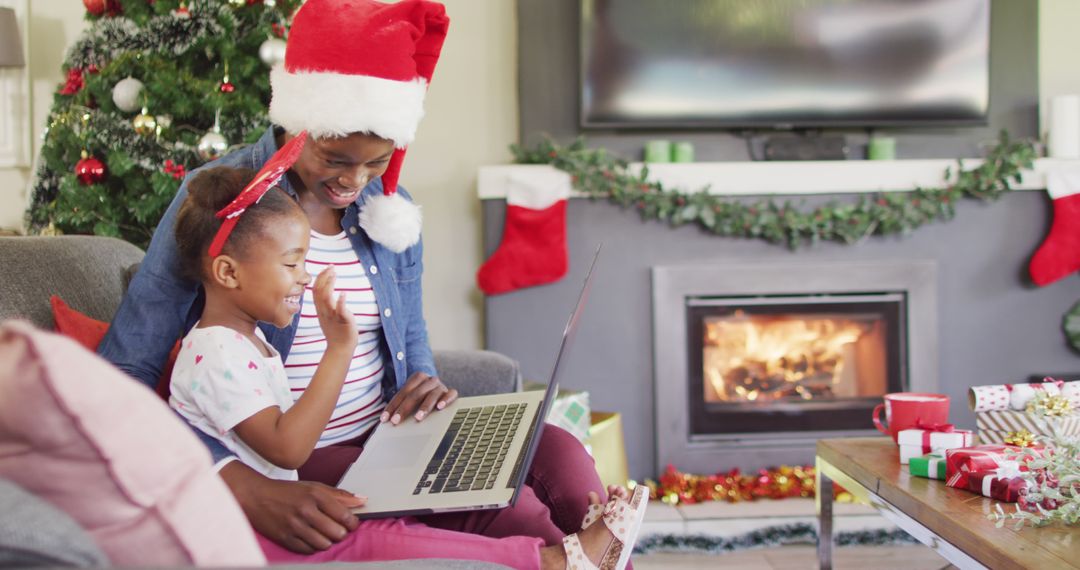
472,450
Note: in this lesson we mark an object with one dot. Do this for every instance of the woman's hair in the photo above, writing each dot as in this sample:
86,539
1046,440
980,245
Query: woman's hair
197,223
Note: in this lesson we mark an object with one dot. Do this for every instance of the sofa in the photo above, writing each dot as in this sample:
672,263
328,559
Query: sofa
90,274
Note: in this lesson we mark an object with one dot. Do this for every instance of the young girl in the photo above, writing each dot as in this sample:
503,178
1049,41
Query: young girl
228,381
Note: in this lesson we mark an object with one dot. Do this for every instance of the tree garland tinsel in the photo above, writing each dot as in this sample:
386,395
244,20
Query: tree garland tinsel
598,174
181,58
780,535
675,487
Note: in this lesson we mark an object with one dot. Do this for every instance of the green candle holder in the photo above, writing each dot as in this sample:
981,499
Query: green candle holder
658,151
881,148
682,152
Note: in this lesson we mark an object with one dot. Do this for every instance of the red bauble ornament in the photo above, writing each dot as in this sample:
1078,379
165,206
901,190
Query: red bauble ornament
89,171
95,7
227,87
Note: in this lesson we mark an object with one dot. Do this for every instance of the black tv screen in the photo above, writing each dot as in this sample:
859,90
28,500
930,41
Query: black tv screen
784,63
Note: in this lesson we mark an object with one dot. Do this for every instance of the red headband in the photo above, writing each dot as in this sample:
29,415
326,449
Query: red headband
270,173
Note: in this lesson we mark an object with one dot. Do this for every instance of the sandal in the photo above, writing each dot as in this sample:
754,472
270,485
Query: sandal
623,520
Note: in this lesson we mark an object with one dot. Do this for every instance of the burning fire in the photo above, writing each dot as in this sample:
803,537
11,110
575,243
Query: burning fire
754,358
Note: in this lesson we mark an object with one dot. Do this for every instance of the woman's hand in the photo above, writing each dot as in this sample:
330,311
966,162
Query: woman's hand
418,397
337,321
302,516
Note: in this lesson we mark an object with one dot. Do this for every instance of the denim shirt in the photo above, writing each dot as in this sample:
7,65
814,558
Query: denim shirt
161,305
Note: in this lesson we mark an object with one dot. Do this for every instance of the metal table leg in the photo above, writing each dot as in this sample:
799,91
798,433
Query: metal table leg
824,501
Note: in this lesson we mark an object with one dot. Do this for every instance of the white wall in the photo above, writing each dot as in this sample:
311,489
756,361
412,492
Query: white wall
1059,70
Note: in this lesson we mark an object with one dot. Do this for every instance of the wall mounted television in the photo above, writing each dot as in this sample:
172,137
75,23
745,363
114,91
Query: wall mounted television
784,64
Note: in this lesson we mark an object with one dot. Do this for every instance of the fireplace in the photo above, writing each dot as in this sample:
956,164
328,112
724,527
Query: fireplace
754,362
792,362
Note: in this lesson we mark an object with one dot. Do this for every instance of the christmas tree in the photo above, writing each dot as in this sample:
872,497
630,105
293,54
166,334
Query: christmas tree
154,89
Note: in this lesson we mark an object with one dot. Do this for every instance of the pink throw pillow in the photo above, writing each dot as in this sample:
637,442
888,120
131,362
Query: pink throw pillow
78,433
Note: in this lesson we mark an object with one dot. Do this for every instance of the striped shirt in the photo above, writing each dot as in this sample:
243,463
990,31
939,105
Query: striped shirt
360,402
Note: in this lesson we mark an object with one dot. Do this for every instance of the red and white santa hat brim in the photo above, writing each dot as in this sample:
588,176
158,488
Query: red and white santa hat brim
363,66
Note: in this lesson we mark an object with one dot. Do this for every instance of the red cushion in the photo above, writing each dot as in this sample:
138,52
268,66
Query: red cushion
89,331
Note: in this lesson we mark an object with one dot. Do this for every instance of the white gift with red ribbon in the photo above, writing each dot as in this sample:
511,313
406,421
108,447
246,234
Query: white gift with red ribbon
931,439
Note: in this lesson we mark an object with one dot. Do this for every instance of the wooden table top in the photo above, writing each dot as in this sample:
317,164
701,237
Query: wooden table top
957,516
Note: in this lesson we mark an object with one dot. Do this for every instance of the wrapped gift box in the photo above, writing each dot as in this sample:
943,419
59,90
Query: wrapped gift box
931,466
605,442
1003,488
916,442
570,410
993,425
960,463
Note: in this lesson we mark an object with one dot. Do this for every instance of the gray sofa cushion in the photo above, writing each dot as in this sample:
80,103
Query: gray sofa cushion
478,372
35,533
88,272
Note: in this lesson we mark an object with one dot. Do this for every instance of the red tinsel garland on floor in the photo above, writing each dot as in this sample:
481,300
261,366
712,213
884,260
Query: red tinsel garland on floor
676,487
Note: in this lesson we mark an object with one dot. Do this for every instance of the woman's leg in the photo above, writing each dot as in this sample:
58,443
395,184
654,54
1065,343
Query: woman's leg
562,475
403,539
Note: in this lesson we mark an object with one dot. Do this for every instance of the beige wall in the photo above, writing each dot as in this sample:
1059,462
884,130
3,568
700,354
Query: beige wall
54,24
471,119
1059,71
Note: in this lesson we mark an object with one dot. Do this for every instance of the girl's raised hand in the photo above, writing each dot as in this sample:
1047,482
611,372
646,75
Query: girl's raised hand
336,320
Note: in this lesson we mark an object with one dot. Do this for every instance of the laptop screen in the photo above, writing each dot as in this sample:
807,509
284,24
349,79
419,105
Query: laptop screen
553,382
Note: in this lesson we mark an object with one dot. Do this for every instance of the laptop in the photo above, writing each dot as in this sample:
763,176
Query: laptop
472,455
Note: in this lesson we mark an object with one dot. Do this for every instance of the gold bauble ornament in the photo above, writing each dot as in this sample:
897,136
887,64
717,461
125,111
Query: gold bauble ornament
144,123
238,3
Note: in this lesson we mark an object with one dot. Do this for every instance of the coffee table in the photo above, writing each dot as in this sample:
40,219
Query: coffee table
951,521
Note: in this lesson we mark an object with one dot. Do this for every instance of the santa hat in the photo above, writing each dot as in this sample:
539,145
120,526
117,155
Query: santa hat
363,66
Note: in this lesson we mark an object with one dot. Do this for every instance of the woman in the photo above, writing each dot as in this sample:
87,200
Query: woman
355,83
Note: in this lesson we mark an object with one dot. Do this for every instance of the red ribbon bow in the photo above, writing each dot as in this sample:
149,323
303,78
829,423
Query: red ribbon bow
929,429
270,173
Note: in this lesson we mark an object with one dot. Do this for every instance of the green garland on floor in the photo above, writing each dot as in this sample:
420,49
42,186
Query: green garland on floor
598,174
781,535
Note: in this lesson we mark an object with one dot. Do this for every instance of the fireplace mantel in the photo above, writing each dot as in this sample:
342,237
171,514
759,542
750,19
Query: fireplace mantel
780,178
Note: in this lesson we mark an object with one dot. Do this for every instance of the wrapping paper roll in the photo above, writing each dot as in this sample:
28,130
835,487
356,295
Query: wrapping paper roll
1021,394
988,398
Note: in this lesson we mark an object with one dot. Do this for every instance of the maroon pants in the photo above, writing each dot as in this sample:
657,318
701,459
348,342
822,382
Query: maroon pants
550,506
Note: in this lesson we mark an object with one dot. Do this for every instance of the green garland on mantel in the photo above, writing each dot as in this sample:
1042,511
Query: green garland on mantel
598,174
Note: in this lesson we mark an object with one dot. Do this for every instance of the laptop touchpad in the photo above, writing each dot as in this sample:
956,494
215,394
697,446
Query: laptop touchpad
397,451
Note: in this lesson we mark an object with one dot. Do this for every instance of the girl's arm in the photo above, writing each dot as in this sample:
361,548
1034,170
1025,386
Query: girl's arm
287,439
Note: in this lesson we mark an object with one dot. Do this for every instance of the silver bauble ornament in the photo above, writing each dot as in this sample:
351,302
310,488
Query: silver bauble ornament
126,94
272,51
212,145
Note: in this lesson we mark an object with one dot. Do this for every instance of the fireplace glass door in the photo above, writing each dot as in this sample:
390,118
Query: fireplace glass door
793,363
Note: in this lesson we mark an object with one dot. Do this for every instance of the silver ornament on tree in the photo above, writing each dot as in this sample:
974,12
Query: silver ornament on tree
272,51
212,145
126,94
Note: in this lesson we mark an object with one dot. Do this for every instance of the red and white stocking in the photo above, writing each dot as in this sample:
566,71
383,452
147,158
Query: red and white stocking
533,247
1059,254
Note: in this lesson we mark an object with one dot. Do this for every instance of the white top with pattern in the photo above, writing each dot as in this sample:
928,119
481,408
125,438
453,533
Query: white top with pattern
221,379
360,402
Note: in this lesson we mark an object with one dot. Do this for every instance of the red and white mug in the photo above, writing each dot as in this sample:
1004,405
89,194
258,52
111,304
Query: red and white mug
908,410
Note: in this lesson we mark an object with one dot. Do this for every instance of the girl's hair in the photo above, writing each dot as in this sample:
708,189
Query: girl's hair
197,223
